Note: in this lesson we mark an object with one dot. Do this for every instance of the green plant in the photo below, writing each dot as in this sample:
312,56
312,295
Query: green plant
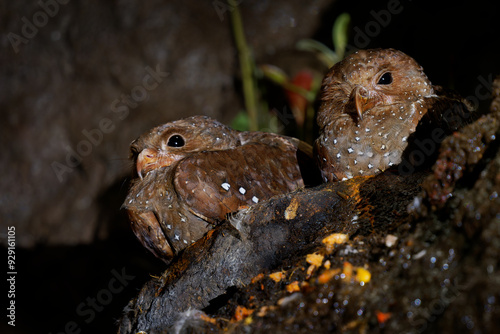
301,90
339,38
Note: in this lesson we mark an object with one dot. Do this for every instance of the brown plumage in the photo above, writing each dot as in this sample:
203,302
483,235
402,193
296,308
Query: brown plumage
371,103
195,171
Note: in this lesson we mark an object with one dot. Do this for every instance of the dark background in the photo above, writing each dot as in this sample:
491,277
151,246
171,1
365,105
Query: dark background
71,235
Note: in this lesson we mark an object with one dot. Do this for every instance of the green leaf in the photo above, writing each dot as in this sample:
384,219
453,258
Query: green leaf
340,34
241,121
274,73
326,55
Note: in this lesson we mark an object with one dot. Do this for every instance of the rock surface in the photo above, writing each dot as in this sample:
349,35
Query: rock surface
86,71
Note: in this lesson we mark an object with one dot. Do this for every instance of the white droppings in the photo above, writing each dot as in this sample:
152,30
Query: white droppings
225,186
390,163
382,147
255,199
242,190
355,162
338,155
169,227
361,171
129,201
367,130
350,150
335,141
404,139
185,241
420,254
390,240
324,159
370,166
344,179
176,237
361,153
357,138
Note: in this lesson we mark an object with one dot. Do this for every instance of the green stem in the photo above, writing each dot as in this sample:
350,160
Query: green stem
246,65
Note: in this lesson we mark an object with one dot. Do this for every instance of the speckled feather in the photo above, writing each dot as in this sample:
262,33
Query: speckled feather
356,142
187,190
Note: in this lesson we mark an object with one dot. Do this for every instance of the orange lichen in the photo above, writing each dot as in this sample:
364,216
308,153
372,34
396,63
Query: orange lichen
334,239
277,276
328,275
315,259
291,210
257,278
241,313
310,270
206,318
293,287
348,270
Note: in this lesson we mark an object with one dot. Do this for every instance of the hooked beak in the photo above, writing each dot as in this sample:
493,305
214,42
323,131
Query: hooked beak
150,159
362,100
146,161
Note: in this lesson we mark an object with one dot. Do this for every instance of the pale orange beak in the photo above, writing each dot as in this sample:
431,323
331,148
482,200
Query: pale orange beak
362,100
146,161
150,159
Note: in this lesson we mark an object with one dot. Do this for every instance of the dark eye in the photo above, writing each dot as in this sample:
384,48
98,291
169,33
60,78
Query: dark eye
385,79
176,141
